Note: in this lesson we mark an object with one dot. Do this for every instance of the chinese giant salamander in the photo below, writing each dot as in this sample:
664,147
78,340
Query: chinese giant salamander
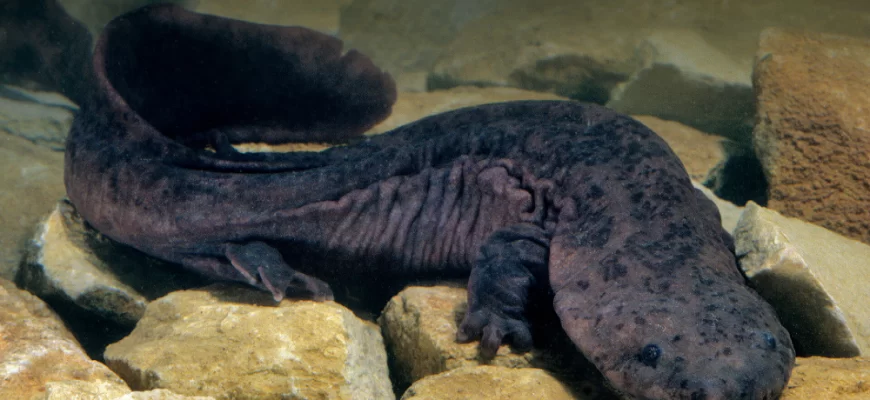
514,195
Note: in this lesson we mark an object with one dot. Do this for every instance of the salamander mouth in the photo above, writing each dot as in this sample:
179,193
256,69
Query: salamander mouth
673,377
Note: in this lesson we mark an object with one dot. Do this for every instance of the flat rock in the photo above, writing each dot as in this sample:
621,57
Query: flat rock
68,262
229,341
32,180
684,78
818,281
36,348
489,382
813,135
816,378
420,324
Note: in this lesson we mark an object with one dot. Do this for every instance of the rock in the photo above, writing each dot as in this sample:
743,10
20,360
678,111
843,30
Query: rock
420,324
83,390
225,341
489,382
812,135
80,390
679,60
61,264
32,180
818,281
70,262
701,153
541,46
684,78
260,147
829,378
729,212
36,348
160,394
322,15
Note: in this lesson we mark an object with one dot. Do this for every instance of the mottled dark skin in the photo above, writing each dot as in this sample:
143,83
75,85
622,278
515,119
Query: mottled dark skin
521,196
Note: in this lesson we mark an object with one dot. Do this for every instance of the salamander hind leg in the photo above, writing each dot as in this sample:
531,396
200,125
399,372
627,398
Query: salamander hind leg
264,268
511,262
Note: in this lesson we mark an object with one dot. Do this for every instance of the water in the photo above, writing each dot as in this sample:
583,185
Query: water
763,101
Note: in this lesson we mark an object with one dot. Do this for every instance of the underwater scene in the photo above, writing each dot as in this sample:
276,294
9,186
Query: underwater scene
433,200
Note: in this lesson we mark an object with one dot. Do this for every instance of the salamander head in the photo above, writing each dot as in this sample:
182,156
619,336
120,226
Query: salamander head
725,343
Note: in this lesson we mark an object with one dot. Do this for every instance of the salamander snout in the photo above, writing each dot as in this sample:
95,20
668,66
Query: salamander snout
750,385
753,366
729,346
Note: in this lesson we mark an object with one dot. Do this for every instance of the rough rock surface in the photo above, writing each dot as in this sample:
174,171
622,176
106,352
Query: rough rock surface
81,390
419,326
828,378
489,382
70,262
817,280
36,348
229,341
813,134
31,178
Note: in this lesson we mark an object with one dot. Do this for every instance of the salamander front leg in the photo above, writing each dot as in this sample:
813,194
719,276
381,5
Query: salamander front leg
511,262
264,268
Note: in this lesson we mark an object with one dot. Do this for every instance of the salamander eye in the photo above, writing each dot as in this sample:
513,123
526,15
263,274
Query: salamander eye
650,354
769,340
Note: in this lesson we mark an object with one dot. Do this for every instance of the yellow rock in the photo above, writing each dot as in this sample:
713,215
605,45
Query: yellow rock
489,382
36,348
233,342
817,378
